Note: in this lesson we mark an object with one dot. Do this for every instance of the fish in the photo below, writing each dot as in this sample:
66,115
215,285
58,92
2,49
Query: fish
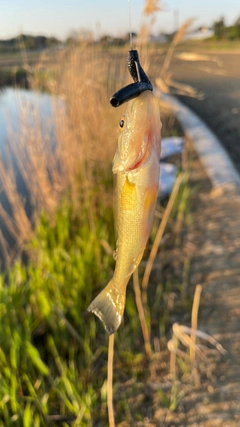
137,166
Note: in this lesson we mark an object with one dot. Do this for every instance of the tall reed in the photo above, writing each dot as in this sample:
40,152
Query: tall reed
86,127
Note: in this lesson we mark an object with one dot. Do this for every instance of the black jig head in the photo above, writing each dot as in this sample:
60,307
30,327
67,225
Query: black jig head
141,81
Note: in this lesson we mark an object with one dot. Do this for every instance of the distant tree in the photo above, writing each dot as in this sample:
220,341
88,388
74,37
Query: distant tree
52,41
78,36
219,29
29,42
40,42
72,38
233,32
106,40
24,41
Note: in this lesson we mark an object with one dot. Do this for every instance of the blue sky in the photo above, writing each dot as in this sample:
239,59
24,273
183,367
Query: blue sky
60,17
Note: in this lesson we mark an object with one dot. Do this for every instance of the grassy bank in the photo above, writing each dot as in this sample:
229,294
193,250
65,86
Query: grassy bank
43,303
53,354
209,44
50,346
13,76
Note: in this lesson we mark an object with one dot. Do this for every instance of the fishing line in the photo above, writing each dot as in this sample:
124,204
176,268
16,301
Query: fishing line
141,80
130,24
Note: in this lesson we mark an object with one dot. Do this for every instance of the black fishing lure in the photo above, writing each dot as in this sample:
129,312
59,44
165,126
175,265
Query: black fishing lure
141,81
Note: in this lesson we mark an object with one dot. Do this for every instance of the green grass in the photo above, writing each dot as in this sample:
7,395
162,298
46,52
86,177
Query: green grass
53,354
209,44
12,76
48,343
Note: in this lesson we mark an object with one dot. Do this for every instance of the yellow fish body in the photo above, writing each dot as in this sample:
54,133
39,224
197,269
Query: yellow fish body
137,165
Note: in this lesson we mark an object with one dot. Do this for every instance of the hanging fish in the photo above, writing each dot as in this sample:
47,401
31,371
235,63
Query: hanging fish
137,165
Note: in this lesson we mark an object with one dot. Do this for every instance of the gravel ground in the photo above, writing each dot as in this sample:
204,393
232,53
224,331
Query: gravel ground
215,240
216,261
208,395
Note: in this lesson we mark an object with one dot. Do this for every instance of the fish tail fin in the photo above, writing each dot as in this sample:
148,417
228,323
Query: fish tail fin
109,307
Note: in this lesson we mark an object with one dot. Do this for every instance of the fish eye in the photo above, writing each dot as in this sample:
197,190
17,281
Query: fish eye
122,122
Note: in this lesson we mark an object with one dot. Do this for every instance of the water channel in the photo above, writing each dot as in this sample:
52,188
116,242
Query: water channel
22,109
14,103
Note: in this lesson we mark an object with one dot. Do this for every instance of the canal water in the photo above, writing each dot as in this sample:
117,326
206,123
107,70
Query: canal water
22,109
18,103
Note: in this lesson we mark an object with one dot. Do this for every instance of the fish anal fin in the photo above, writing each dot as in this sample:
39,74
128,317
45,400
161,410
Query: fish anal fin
136,263
115,253
109,307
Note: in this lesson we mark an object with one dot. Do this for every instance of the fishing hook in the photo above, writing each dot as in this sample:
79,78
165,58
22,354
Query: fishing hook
141,81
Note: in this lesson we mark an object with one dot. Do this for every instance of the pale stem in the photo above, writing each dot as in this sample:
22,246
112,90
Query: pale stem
141,314
110,381
194,320
159,235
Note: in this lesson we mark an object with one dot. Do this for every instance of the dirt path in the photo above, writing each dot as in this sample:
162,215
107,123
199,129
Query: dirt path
220,108
216,266
219,80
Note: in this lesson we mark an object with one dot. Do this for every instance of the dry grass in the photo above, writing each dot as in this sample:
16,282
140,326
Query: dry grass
150,10
159,235
165,82
176,40
86,128
110,381
194,319
87,131
141,314
151,6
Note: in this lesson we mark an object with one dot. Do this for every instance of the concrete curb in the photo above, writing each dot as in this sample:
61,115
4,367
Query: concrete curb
218,165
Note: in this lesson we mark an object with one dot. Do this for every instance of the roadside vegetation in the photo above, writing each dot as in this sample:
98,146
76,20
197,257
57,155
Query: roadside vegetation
28,42
224,32
53,355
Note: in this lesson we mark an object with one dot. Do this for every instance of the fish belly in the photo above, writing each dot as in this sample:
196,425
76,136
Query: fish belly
137,195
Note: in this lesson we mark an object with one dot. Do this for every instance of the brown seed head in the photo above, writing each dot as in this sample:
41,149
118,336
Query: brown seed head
151,6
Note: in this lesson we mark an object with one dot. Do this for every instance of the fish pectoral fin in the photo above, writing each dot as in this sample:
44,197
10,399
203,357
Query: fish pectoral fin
109,307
